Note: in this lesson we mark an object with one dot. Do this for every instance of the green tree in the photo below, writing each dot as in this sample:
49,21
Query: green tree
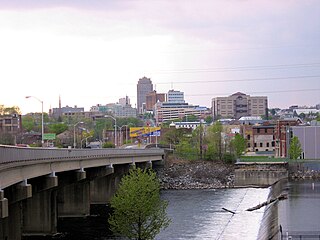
190,118
175,135
209,119
9,110
239,144
139,213
28,123
295,149
186,150
214,140
57,128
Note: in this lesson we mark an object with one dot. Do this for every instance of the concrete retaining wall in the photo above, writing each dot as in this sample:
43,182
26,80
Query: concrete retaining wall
259,174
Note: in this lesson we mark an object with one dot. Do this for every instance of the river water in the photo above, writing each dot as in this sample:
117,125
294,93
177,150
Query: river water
198,214
195,214
299,215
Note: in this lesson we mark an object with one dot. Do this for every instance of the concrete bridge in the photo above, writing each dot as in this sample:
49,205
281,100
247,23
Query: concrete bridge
40,185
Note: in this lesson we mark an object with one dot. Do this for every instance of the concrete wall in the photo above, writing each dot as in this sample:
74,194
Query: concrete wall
259,174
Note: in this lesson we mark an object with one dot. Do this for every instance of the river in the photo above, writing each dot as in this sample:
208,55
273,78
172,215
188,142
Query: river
198,214
195,214
299,215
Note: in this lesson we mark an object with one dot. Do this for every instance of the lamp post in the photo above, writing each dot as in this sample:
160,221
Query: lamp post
74,134
126,132
115,129
42,129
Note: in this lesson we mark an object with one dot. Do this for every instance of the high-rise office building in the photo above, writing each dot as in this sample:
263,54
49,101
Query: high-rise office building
152,98
144,87
175,96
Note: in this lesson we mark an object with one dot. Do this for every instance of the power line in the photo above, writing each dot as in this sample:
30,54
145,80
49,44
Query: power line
239,68
264,92
243,80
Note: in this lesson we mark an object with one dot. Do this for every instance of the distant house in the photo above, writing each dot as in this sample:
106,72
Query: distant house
66,138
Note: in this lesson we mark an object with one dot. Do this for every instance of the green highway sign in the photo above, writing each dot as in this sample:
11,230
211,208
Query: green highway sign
49,136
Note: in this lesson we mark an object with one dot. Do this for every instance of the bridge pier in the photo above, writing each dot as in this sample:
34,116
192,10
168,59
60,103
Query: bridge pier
3,205
103,188
74,200
40,214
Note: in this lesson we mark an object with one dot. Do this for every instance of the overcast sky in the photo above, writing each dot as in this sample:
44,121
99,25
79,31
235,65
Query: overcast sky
94,52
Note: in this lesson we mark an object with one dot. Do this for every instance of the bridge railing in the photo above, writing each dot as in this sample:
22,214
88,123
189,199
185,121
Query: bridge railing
13,154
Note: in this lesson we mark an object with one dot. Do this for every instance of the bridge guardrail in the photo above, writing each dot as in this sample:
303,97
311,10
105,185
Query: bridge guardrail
13,154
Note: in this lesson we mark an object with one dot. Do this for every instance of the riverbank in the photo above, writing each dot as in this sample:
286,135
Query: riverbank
200,174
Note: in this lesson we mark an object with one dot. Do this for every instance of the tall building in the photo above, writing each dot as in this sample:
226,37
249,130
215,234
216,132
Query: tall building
144,87
152,98
238,105
124,101
175,96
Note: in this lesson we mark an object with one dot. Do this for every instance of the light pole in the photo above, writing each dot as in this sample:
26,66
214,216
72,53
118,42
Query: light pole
74,134
42,129
115,129
126,132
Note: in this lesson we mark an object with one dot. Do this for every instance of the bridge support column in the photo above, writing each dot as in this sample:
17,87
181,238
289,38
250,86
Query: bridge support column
102,188
74,200
19,192
13,223
4,212
40,214
120,171
144,165
3,205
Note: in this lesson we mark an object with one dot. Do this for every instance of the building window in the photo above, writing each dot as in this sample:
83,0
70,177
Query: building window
267,144
248,136
258,130
261,145
265,130
249,145
255,144
272,144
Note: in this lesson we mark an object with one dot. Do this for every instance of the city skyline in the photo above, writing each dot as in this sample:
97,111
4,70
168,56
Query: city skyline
95,52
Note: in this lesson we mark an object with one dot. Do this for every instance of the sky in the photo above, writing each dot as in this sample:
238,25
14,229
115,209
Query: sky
94,52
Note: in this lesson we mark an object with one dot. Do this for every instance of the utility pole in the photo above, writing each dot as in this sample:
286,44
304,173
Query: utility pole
200,140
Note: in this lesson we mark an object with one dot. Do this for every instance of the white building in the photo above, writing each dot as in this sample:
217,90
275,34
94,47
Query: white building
175,96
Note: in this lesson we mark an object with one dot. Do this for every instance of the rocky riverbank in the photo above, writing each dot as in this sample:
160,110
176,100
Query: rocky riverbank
184,174
305,174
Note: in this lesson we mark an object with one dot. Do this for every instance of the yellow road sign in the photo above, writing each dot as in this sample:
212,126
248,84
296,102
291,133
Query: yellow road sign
143,131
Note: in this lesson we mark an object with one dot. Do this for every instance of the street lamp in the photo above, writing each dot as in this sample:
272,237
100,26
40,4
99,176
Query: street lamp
126,132
42,129
115,129
74,134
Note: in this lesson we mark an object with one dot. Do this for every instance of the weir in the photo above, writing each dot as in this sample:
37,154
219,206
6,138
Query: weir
259,174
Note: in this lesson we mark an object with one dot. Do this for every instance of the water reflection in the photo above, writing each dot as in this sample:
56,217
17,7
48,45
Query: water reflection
300,213
198,214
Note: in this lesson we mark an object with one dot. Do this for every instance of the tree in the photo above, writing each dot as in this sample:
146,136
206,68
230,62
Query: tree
239,144
139,213
214,138
209,119
295,149
58,128
9,110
